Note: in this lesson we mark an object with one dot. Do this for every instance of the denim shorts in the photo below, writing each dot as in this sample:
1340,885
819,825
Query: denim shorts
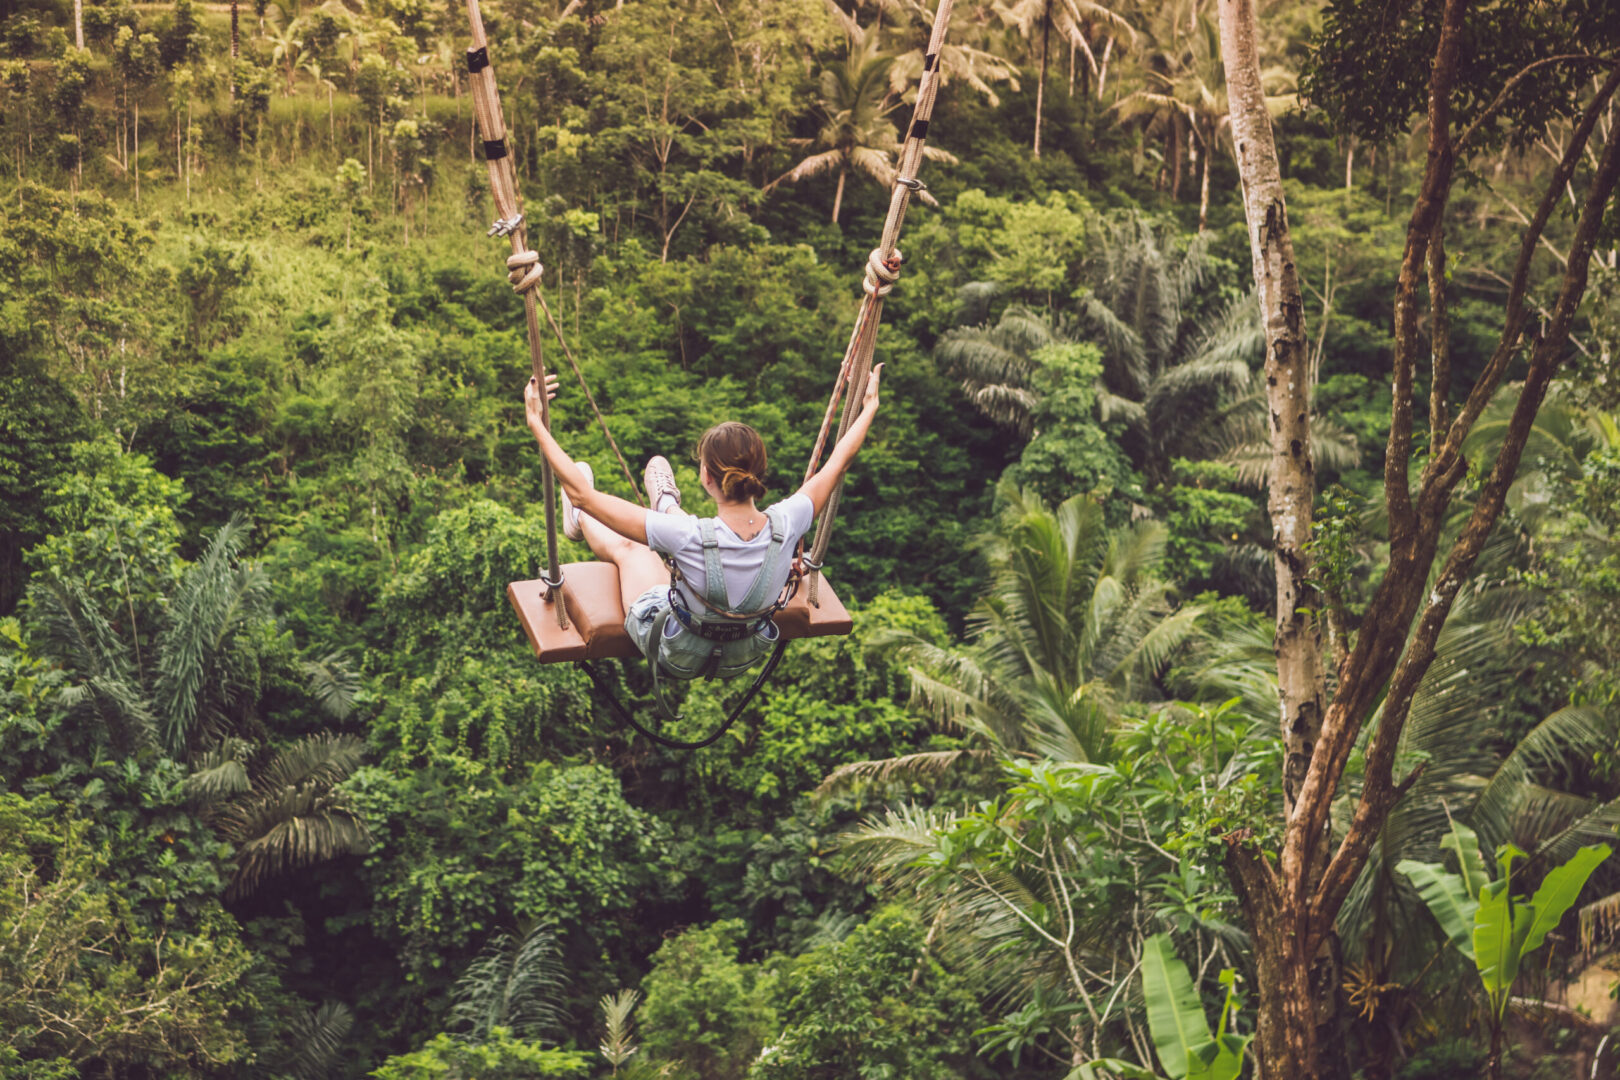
644,611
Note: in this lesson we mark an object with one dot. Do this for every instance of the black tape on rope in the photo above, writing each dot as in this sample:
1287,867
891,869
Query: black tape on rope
477,59
931,61
494,149
919,129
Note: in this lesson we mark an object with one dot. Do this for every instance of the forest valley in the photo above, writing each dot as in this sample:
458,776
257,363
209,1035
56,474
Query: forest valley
1235,682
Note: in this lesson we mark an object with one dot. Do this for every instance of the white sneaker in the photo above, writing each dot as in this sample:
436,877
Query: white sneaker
660,481
570,513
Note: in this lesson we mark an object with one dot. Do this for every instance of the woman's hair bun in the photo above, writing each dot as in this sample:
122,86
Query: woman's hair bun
734,454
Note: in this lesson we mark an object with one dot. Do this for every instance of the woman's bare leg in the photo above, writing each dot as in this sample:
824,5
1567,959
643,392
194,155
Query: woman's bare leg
639,568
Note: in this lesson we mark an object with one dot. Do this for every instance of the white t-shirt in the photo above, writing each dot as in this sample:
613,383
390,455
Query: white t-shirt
677,535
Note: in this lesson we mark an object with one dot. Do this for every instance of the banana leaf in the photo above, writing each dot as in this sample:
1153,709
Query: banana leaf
1107,1068
1465,843
1559,891
1448,900
1175,1012
1501,926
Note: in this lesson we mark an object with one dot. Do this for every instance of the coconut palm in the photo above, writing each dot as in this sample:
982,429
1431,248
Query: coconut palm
1193,382
1074,22
285,814
856,135
312,1042
996,364
1074,629
1203,373
967,56
1183,100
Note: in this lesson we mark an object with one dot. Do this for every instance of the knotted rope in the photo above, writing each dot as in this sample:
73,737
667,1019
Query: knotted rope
882,271
525,272
503,185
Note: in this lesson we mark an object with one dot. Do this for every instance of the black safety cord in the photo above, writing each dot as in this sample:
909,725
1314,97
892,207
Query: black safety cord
624,715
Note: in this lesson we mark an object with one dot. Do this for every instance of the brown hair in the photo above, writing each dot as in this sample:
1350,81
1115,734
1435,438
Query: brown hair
735,457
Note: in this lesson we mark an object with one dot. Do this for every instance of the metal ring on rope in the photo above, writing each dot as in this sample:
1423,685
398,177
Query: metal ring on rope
712,737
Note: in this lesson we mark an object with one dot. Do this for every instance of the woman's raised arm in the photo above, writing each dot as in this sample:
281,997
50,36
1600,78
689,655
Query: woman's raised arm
621,515
819,488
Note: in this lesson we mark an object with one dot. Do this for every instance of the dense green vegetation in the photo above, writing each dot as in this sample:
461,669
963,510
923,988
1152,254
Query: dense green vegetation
283,792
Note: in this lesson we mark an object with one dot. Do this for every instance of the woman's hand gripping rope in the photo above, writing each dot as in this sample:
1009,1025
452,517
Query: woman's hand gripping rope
622,516
531,400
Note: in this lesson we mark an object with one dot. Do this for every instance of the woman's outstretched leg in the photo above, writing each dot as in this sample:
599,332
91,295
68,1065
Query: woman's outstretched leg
639,568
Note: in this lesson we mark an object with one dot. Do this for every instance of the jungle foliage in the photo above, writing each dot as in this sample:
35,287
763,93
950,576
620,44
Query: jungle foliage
283,792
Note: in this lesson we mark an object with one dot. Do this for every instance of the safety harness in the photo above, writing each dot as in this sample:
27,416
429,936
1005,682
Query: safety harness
722,641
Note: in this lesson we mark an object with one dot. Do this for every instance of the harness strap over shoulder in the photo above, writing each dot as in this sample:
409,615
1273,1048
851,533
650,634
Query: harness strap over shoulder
716,597
776,519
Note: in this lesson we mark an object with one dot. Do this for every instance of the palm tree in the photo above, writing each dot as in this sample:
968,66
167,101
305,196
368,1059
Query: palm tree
1193,382
1520,797
513,983
1073,20
1073,629
192,698
971,61
996,364
311,1042
856,135
289,814
196,686
1184,101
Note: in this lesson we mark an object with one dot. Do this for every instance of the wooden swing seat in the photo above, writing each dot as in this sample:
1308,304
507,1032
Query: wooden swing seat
596,616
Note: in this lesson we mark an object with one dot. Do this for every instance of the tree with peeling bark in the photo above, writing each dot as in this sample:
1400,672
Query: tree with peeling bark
1480,78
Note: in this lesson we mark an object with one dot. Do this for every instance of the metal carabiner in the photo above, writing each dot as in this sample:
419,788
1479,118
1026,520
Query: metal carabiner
505,226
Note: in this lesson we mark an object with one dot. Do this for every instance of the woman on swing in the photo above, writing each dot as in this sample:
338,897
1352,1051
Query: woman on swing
710,624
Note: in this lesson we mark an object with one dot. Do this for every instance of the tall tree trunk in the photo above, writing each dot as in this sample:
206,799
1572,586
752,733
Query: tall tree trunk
1173,148
136,161
1040,86
235,54
1292,480
1203,187
1292,902
1349,162
838,195
1287,1036
78,24
1102,73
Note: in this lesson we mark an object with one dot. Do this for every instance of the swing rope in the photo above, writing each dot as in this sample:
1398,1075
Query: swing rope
882,271
523,267
525,272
